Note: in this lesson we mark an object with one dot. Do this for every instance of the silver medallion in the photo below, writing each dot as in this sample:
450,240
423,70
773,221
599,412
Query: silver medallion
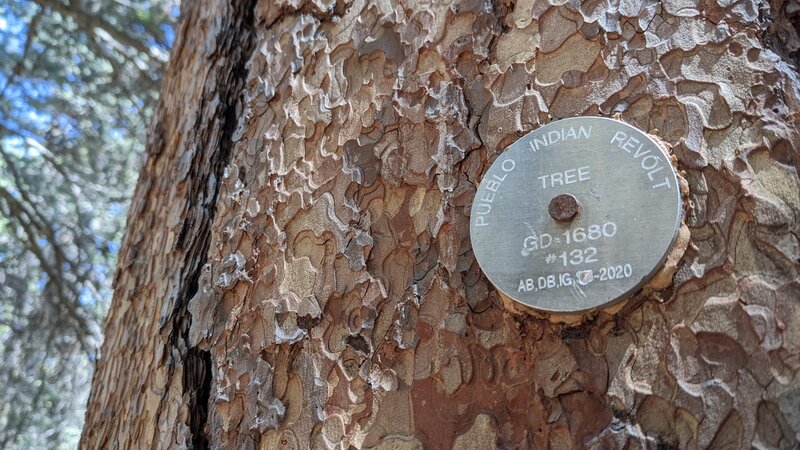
576,215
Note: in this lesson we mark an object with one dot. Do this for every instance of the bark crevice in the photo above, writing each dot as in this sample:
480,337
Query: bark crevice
782,31
235,44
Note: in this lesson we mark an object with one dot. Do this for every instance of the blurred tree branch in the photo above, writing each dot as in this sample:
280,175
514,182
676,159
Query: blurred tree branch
78,80
33,26
89,23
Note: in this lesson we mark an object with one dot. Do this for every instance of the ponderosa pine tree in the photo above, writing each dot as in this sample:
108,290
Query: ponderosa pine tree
297,270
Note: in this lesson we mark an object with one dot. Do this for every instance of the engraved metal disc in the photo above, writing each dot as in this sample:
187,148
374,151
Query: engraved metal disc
533,245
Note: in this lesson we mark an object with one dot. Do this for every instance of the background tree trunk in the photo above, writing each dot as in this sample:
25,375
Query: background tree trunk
297,270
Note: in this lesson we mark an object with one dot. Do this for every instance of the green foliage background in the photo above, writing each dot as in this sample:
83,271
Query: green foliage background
78,82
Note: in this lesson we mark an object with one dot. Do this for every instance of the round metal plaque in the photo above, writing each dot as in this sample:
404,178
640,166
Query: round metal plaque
576,215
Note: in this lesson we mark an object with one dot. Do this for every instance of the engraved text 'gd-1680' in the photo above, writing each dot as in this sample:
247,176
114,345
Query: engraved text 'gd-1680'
576,215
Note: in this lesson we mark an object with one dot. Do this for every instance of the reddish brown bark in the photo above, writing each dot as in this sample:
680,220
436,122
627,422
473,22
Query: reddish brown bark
297,270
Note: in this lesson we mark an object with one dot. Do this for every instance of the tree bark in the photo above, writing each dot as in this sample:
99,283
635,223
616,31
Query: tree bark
297,270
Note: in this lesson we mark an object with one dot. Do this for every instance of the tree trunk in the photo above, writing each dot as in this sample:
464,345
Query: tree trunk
297,270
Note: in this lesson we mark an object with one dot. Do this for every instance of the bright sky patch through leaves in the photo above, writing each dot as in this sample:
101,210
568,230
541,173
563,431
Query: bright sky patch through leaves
78,81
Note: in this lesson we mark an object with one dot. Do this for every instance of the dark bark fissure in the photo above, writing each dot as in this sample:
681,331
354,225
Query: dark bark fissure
197,382
782,32
234,47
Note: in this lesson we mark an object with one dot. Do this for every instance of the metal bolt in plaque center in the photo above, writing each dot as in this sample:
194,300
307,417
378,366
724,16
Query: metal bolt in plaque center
576,215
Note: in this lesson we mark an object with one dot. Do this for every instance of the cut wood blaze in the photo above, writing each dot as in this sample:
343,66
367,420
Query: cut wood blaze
297,270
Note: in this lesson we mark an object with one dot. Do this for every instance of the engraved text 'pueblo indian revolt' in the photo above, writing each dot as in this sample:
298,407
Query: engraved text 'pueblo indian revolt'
576,215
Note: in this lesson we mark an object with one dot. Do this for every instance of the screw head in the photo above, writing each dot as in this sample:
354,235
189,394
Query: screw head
564,207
